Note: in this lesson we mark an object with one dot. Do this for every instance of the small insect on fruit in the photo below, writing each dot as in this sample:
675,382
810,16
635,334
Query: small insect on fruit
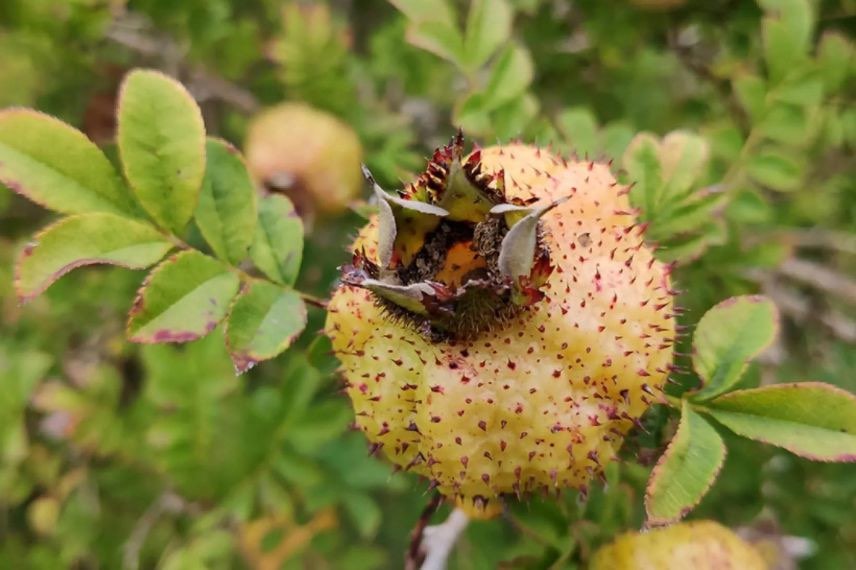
503,324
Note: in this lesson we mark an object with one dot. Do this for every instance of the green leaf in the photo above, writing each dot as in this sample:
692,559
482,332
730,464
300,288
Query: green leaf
364,513
786,33
226,214
277,249
751,93
57,167
686,471
426,10
776,170
804,89
683,159
835,59
727,337
488,27
510,77
579,126
642,162
614,139
511,119
688,215
86,239
264,321
471,114
182,299
811,419
438,38
161,140
785,123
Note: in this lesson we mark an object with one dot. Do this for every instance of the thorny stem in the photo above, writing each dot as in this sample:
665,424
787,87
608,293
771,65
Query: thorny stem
414,554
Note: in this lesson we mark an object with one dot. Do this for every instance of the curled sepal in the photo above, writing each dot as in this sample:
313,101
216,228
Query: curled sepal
421,298
416,297
402,224
511,213
517,254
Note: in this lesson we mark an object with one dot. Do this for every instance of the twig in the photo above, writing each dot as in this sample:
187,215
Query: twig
800,309
414,555
821,277
167,502
133,32
811,238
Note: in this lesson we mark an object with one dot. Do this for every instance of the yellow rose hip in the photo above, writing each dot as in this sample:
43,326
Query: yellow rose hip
699,545
503,324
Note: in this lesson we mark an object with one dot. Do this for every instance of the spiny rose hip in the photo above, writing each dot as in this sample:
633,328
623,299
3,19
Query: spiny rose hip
700,545
503,324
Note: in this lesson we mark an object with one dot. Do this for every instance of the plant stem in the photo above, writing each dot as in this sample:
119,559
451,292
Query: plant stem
675,402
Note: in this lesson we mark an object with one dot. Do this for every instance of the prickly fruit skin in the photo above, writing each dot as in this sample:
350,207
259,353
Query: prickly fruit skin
540,402
700,545
308,154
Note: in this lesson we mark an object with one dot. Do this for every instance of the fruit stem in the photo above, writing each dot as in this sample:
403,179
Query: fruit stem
313,300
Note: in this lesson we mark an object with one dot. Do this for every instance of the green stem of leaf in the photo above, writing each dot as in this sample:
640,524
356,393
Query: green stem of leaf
674,401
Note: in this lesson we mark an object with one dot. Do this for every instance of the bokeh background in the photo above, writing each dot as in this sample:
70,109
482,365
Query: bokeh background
114,455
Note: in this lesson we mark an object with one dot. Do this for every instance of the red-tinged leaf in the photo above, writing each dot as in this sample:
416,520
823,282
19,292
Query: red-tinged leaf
161,140
277,248
811,419
57,167
727,337
686,471
86,239
264,321
226,214
182,299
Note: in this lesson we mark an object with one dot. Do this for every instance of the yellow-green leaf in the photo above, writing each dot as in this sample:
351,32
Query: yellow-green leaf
277,249
226,214
86,239
264,321
727,337
685,471
811,419
161,140
488,27
57,167
182,299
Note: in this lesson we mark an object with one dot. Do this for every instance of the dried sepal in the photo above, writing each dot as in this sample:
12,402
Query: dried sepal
402,224
455,256
517,254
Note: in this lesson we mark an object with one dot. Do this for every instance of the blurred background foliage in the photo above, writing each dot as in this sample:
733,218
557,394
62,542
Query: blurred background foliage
735,119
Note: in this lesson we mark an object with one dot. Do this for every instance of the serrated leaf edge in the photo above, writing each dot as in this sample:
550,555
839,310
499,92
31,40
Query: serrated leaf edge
25,297
17,188
139,303
244,363
652,480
